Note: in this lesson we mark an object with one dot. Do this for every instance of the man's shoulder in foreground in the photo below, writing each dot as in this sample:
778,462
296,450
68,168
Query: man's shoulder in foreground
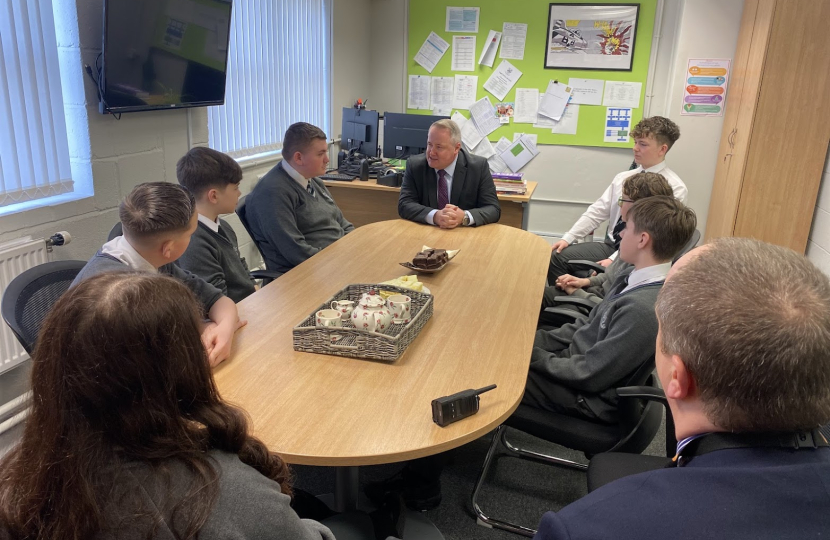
736,493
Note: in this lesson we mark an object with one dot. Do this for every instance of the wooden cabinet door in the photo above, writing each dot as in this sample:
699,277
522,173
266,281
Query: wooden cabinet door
790,131
744,85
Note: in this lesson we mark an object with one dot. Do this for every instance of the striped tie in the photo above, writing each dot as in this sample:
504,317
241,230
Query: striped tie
310,189
443,192
618,228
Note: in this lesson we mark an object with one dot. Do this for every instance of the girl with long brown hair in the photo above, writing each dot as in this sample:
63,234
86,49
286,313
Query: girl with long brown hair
128,436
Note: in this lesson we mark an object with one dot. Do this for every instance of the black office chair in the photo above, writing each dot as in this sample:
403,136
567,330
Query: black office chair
31,295
265,276
637,426
610,466
241,211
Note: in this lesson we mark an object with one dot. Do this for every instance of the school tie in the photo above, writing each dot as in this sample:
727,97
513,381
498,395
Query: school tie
618,228
310,189
443,191
618,287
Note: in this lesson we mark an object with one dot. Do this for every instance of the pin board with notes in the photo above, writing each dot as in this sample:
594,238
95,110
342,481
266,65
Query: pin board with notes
592,50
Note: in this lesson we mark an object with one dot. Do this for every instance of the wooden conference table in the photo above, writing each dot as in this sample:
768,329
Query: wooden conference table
328,410
369,202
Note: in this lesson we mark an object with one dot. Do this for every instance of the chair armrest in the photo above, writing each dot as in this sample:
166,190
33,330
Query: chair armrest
581,302
260,274
587,265
649,393
267,276
567,313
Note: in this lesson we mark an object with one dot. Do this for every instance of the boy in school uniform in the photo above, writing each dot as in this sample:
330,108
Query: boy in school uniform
594,289
291,213
653,138
575,369
158,219
213,254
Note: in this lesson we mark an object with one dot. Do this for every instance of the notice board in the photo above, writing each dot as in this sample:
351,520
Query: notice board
426,16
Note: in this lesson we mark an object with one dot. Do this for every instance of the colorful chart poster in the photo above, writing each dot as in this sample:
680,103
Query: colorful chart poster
704,92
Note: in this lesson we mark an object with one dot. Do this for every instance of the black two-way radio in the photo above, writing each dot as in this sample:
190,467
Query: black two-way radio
449,409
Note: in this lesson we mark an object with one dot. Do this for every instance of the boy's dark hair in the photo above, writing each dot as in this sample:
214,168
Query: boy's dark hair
203,168
299,136
646,184
669,223
155,208
662,129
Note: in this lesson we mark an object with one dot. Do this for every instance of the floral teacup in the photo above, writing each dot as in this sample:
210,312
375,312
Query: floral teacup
345,307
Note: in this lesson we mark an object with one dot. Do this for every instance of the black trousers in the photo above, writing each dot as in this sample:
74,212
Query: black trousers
542,393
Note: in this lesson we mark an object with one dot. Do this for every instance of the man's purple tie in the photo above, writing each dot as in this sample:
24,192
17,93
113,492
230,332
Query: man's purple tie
443,192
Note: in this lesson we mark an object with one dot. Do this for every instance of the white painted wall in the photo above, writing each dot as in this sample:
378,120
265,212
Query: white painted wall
388,75
145,146
571,177
818,245
351,71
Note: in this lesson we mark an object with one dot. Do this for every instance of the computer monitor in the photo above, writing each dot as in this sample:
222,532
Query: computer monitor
405,135
360,131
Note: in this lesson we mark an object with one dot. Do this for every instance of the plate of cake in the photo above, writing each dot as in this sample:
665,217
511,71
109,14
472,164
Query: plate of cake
430,260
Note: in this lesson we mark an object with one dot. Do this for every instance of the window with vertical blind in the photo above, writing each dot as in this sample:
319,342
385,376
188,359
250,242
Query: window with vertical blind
279,73
34,152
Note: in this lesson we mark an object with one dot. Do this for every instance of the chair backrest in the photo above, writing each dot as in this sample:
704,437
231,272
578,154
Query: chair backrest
117,230
639,422
690,245
241,211
31,295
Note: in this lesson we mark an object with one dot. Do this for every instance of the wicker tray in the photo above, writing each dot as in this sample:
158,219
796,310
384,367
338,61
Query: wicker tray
349,341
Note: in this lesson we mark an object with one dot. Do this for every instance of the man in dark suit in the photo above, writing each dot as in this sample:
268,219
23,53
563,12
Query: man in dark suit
744,358
447,186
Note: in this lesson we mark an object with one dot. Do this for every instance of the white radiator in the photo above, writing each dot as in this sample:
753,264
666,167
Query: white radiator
16,257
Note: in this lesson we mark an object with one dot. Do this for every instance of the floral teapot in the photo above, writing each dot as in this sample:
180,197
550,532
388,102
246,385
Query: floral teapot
371,313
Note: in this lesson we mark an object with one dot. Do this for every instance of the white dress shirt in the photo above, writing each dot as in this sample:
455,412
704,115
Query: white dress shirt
292,172
607,208
121,249
649,274
212,225
449,171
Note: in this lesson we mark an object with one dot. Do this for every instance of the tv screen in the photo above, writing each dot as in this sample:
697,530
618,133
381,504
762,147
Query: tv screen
161,54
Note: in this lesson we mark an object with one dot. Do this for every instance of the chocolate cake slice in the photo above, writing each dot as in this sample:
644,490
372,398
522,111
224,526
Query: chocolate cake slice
430,259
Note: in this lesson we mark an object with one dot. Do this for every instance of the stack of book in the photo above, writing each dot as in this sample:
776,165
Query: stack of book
510,183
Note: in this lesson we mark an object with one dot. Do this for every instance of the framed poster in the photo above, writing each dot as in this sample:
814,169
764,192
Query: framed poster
591,36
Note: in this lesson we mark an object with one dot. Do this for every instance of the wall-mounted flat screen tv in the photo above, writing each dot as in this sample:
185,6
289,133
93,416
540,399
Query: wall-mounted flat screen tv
162,54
